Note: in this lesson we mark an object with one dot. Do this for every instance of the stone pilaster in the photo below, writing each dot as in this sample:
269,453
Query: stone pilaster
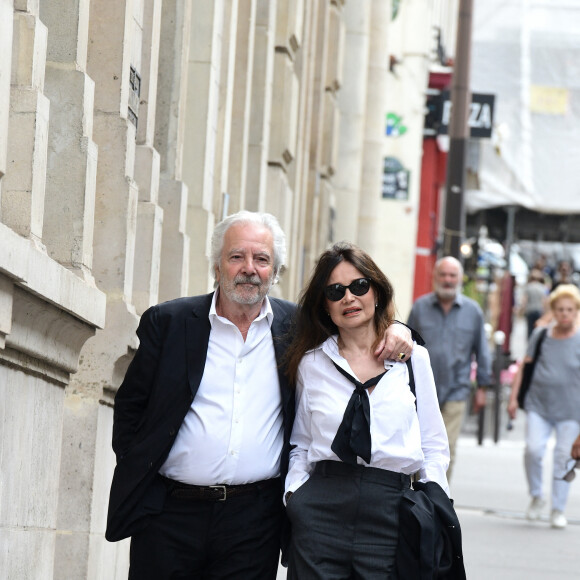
111,53
172,85
284,123
202,101
72,153
335,60
241,105
299,171
280,196
149,70
261,107
327,202
221,197
352,104
169,141
332,84
318,88
6,33
149,229
147,162
174,275
24,183
204,72
330,135
285,120
370,220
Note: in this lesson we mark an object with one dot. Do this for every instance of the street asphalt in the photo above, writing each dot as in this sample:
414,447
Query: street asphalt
490,492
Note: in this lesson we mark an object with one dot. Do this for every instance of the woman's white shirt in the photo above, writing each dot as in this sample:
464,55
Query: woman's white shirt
403,439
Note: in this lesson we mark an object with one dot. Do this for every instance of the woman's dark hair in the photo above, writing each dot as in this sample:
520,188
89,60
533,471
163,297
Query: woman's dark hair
313,324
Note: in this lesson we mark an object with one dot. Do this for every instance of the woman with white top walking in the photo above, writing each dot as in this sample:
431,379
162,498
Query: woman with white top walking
357,436
552,402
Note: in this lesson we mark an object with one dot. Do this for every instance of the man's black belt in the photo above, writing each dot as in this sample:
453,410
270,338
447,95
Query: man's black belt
181,490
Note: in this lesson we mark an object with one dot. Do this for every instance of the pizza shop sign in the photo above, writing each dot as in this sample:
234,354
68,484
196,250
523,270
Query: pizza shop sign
480,119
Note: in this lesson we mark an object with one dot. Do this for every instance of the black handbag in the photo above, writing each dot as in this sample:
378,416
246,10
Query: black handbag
528,371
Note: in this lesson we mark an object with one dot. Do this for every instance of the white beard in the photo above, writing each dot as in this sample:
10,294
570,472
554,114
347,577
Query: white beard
447,293
246,296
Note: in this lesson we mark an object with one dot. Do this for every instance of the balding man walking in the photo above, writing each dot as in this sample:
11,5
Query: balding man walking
452,326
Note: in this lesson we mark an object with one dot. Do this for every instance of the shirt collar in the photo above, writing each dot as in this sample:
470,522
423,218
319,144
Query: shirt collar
330,347
265,311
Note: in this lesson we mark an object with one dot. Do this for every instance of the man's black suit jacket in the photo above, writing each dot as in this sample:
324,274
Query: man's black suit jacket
430,544
157,391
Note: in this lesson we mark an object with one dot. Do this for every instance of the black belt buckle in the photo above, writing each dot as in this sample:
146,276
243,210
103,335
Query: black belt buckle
223,489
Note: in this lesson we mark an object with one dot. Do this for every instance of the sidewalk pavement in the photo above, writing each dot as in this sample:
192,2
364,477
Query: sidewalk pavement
490,493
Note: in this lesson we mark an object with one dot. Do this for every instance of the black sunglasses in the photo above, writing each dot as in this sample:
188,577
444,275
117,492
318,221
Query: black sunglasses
358,287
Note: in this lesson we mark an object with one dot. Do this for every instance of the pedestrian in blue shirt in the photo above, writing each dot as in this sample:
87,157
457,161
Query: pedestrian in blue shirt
452,326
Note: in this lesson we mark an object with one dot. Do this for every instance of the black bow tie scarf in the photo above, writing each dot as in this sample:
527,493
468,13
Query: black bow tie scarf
353,437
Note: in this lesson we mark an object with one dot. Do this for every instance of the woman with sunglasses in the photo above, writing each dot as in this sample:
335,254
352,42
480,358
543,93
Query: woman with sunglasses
359,433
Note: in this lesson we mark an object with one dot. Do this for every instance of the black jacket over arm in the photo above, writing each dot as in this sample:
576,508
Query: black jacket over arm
155,396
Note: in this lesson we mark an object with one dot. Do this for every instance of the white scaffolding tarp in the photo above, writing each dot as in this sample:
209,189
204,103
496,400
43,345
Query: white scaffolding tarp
527,53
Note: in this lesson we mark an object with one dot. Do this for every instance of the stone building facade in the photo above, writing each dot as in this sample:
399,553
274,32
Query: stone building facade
128,128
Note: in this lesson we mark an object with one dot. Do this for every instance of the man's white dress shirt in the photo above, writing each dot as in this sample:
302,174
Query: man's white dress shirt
403,439
232,433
